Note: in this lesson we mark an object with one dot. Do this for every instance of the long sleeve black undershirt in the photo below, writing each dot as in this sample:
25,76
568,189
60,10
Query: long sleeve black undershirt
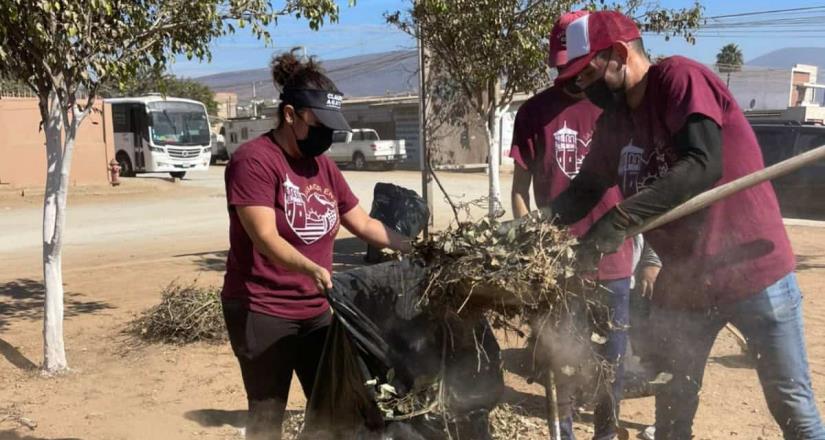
698,146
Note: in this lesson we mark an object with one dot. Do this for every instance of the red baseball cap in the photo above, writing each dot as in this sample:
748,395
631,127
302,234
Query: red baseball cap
589,34
558,40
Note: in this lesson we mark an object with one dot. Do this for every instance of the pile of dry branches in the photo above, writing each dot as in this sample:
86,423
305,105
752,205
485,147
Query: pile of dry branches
186,313
510,271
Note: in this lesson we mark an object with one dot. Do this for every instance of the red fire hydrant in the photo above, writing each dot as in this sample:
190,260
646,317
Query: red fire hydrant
114,172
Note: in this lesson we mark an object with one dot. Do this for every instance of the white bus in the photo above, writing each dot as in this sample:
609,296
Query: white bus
156,134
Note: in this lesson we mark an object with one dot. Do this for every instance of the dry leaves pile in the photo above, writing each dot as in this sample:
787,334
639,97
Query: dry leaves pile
509,271
511,422
292,426
186,313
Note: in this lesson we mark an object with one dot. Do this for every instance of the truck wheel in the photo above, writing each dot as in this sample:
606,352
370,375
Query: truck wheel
177,174
213,159
125,164
359,162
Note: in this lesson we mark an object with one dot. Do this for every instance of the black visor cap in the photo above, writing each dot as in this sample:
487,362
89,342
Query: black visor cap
325,105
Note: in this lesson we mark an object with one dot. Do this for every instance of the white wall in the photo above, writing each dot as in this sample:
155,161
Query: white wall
760,89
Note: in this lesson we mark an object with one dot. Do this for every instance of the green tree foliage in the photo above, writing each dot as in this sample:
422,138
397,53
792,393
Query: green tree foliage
729,59
64,50
482,52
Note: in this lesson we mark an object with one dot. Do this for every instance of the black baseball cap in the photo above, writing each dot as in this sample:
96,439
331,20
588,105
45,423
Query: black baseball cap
325,105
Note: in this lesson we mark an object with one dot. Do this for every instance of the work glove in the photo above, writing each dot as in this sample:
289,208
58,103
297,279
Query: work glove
606,236
545,213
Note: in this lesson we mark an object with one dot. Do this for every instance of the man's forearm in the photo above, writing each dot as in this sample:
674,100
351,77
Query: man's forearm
520,195
699,166
579,198
521,205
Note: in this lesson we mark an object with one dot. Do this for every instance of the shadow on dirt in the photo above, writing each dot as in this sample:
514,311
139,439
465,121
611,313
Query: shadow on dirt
24,298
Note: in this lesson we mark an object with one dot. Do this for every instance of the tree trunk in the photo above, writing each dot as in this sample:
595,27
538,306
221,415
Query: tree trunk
493,151
493,164
59,147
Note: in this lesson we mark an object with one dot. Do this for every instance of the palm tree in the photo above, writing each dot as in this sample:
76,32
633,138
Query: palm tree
729,59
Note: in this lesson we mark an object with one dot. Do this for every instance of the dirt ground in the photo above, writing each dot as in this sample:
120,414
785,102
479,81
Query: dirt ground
125,244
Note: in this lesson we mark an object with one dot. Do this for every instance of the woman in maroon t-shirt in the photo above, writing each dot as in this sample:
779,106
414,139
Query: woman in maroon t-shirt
286,201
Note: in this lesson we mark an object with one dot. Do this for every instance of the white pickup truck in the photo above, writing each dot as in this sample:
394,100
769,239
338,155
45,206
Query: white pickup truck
362,147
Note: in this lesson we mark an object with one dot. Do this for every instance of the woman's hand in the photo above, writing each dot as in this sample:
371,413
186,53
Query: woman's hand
322,278
259,223
357,221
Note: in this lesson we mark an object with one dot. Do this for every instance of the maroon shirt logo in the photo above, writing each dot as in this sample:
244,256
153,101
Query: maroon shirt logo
570,150
311,213
638,169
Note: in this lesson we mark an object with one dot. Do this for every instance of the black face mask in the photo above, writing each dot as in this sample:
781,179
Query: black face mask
572,88
318,140
599,93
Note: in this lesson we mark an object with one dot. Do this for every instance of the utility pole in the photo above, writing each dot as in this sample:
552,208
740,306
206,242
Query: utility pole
254,106
426,177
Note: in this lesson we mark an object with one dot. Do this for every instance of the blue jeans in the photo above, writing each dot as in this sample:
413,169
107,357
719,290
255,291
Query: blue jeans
609,396
771,321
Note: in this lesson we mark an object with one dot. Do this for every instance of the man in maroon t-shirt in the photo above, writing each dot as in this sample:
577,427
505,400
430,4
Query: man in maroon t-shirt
669,132
552,135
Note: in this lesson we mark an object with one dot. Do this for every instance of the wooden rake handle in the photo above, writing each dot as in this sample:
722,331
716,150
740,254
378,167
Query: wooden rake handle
711,196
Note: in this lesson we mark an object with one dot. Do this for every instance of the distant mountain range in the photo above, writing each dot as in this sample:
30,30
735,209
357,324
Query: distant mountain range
394,73
786,57
387,73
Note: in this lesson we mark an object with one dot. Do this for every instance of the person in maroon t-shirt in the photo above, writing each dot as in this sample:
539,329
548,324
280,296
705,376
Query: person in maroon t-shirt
552,135
286,201
670,131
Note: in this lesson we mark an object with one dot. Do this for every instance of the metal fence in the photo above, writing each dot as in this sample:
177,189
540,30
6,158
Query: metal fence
11,90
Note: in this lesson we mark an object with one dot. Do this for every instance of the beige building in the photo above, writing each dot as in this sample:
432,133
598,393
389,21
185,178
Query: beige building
457,145
227,105
23,149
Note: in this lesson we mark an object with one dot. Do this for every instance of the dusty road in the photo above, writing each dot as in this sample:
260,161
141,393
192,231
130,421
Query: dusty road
156,218
123,245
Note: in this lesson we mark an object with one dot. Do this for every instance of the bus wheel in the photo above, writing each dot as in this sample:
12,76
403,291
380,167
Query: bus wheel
125,163
177,174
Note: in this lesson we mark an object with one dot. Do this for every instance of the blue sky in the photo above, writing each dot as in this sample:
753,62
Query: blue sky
361,30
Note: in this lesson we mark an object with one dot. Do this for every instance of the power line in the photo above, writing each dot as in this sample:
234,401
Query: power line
775,11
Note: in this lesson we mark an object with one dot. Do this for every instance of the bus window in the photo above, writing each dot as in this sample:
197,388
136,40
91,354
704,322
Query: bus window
120,118
244,133
178,123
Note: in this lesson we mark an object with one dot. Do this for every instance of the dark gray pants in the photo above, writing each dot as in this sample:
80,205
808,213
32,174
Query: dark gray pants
269,349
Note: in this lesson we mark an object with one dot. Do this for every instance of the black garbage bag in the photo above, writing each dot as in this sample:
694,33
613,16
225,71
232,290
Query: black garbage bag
381,339
399,208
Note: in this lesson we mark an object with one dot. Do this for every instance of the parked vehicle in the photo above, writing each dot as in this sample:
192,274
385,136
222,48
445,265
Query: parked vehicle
239,131
799,192
156,134
362,147
218,148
